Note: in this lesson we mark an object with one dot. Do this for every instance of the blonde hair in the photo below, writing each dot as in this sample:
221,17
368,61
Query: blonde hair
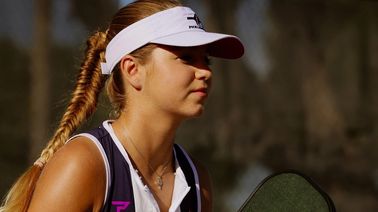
84,99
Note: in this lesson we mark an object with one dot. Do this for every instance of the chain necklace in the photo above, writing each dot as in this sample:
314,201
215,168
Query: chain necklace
159,177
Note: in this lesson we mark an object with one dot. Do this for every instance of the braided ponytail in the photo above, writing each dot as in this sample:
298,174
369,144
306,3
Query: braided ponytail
89,83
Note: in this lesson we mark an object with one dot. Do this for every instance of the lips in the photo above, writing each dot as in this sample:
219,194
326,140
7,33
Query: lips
201,91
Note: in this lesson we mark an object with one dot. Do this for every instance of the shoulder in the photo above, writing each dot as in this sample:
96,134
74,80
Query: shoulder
73,179
205,185
204,181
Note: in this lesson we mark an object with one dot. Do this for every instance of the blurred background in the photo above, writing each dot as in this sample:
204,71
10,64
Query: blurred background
304,96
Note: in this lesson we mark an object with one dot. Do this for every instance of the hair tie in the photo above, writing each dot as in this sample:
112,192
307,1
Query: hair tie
40,162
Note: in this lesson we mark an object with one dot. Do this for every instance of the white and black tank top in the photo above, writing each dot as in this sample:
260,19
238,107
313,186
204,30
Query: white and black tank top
125,190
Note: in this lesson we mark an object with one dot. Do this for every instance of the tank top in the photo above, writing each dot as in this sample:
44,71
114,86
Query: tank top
125,191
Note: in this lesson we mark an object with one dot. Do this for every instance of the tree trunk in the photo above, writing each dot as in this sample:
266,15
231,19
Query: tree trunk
39,91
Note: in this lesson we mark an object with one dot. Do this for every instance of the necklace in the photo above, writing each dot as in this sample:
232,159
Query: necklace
159,177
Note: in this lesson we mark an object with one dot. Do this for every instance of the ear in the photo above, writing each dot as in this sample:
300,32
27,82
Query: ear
131,71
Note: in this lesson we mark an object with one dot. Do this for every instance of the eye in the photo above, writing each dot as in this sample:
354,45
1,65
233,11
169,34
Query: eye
186,58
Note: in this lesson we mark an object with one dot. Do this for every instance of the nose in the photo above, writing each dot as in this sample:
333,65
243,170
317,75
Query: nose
203,73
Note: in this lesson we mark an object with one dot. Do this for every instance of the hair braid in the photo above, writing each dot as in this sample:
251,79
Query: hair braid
89,83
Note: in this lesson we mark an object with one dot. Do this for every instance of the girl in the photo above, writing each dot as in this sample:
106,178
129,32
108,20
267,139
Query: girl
154,58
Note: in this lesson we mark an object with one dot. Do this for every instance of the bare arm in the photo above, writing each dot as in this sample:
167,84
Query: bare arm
73,180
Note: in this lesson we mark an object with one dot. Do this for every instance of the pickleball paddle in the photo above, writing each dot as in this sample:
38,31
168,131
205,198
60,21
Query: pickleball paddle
288,192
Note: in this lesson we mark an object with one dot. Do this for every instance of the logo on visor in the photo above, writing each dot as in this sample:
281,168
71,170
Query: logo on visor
197,20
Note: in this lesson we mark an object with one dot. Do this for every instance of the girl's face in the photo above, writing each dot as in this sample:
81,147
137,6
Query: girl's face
178,80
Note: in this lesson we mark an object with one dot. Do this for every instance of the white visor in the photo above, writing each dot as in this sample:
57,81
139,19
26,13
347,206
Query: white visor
178,26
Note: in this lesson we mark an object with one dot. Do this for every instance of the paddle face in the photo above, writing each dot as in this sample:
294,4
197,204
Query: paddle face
288,191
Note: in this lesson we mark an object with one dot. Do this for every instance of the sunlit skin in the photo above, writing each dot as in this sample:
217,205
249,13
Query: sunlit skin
177,82
170,88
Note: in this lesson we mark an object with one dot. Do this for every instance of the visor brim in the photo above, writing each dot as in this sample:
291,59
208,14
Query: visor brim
220,45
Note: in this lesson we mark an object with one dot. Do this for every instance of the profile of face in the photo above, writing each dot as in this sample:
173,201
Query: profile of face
175,80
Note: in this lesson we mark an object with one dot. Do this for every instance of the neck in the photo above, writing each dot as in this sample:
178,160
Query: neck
153,137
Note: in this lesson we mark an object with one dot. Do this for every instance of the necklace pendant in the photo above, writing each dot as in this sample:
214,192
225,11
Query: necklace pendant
159,182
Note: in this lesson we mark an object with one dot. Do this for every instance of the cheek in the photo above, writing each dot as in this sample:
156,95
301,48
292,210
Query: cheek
175,77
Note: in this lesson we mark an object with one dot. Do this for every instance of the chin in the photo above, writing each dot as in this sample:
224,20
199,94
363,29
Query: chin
196,113
192,111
